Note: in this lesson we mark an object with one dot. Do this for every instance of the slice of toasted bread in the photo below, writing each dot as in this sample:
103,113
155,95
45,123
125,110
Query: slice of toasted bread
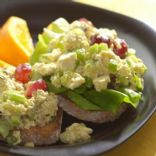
45,135
91,116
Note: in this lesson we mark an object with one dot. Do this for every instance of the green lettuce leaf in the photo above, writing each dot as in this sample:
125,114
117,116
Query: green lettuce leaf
81,102
111,99
52,88
133,97
14,95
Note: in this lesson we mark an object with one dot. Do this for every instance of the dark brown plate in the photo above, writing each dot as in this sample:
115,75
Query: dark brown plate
39,13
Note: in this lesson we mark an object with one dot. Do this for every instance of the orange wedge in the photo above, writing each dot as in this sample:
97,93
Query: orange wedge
15,41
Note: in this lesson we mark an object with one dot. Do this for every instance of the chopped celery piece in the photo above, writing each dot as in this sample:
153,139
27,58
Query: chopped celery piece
14,95
81,54
112,65
48,35
96,48
103,46
40,48
138,82
4,128
15,120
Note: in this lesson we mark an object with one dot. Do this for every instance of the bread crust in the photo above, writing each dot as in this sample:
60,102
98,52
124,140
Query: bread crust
92,116
45,135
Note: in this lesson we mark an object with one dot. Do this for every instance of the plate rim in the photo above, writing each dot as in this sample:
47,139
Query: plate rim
147,27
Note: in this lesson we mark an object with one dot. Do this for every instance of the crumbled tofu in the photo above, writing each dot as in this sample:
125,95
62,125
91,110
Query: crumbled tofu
14,138
11,108
124,69
56,81
72,80
67,61
77,24
101,69
8,82
106,55
51,57
76,39
9,70
139,68
44,69
136,64
90,70
76,82
112,34
101,83
45,107
76,133
18,86
4,84
39,96
85,26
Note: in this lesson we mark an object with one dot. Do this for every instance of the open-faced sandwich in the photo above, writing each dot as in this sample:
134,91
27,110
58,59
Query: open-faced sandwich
29,114
92,70
88,72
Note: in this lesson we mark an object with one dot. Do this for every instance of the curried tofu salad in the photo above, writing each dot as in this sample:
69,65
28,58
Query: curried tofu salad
90,73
